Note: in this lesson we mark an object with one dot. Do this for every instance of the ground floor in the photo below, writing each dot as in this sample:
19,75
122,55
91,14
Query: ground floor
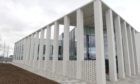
129,80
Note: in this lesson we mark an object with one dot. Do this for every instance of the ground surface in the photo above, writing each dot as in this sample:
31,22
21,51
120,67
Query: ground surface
130,80
10,74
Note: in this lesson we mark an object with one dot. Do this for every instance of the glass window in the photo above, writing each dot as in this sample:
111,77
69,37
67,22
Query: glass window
73,45
89,43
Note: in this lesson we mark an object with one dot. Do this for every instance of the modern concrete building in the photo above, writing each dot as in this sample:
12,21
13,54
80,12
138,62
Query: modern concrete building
91,44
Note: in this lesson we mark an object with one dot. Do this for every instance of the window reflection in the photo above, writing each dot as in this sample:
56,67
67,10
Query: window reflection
89,44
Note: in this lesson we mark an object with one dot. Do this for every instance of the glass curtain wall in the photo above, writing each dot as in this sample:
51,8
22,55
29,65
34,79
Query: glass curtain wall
52,38
61,41
73,45
89,43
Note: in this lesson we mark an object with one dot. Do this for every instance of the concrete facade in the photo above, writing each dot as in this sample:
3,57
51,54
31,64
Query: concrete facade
94,59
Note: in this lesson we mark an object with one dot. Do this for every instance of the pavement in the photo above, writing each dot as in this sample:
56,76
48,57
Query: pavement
129,80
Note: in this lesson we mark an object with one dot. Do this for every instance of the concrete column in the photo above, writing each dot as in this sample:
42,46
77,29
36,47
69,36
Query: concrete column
48,43
126,50
33,55
66,43
131,51
80,35
111,46
17,52
134,48
26,57
20,48
80,42
34,41
137,41
55,41
100,58
121,73
14,52
36,49
32,49
48,46
29,49
55,44
24,53
41,43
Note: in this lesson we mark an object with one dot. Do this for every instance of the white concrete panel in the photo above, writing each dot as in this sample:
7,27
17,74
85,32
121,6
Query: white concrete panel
133,72
126,50
48,43
55,45
134,50
32,49
55,41
41,43
137,39
48,47
100,59
66,43
121,73
111,46
80,41
36,49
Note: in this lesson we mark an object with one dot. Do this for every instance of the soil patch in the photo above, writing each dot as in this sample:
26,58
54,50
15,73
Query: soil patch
10,74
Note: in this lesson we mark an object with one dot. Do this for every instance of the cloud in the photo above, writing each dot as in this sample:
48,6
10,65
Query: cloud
128,9
18,18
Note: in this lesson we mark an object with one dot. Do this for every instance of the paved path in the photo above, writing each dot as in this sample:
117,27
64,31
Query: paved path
130,80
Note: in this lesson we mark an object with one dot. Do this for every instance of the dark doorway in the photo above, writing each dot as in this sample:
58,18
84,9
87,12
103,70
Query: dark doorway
107,66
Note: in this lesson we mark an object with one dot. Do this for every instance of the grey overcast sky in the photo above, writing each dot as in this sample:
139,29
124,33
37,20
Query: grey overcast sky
19,18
